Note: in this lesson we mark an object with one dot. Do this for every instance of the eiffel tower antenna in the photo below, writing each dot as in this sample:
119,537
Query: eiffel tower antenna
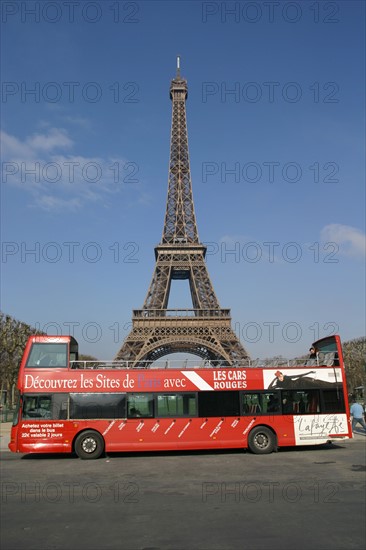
204,330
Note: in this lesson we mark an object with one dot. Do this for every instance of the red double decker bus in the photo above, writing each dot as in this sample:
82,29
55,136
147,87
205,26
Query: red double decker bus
89,408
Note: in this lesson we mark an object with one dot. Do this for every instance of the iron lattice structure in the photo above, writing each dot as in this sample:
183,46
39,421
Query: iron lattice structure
206,329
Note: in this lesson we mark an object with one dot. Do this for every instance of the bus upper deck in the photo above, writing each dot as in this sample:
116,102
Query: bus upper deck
60,352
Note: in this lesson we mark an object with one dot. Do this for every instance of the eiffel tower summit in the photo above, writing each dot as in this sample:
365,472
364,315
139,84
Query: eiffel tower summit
205,330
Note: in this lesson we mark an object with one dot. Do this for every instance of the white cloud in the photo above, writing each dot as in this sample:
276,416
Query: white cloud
55,139
12,148
79,121
39,165
351,241
49,202
15,149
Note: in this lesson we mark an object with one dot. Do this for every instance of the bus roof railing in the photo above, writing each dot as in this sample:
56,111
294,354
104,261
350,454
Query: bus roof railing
181,364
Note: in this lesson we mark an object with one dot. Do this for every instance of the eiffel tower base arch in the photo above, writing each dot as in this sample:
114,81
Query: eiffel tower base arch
207,334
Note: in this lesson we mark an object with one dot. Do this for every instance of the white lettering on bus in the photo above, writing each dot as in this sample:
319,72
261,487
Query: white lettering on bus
102,381
230,380
249,426
169,427
38,383
237,375
216,429
184,429
234,385
173,383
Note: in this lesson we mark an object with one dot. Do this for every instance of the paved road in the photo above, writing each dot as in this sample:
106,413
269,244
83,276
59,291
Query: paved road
294,499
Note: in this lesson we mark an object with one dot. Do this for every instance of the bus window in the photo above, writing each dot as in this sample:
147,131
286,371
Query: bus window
176,405
218,403
97,405
37,406
44,406
300,401
271,402
312,401
60,406
327,352
74,350
140,405
333,401
251,403
48,355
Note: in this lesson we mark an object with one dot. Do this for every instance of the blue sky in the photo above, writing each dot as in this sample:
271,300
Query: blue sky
276,134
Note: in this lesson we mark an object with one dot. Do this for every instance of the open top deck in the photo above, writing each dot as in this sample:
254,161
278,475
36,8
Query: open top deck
61,352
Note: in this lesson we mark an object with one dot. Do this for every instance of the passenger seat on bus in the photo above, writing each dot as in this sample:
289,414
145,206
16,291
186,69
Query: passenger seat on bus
329,359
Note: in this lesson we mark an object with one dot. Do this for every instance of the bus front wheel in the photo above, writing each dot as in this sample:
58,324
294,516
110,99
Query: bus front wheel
261,440
89,445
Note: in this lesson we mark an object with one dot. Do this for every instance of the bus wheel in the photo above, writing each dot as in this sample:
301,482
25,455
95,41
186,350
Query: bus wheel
89,444
261,440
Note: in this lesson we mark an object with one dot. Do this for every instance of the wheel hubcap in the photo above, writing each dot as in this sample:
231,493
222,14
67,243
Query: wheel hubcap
89,445
261,440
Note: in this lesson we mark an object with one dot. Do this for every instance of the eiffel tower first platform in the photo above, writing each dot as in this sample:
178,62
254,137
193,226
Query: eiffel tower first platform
206,329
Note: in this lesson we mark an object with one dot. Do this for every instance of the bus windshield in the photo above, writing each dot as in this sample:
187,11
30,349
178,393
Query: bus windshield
47,355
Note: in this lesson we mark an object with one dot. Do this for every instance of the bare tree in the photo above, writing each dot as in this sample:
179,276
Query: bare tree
13,337
354,353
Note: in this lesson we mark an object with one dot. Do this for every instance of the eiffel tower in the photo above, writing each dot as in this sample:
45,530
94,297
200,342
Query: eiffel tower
206,329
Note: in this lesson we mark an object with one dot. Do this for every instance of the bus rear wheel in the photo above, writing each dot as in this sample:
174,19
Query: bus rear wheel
89,445
261,440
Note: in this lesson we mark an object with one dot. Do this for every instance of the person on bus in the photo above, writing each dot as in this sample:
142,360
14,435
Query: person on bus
312,357
287,404
302,406
134,412
273,404
315,357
